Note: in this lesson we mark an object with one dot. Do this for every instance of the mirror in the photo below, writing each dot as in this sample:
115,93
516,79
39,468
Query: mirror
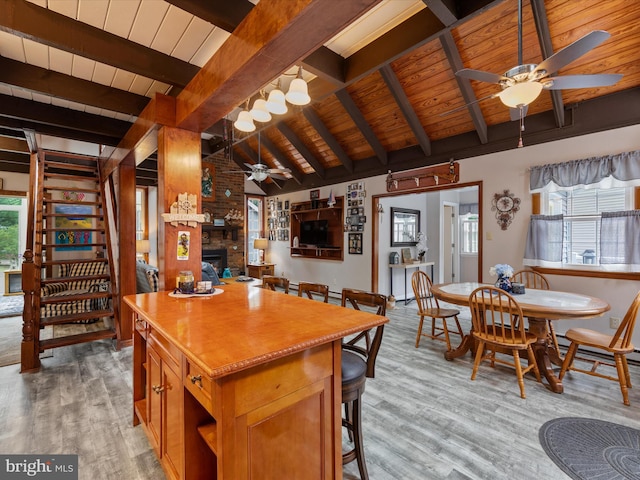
405,225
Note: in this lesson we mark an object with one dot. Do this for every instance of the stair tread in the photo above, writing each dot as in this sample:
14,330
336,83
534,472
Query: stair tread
102,276
70,202
74,260
52,299
74,317
78,338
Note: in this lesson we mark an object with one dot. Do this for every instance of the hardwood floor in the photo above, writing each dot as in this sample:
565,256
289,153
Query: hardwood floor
423,418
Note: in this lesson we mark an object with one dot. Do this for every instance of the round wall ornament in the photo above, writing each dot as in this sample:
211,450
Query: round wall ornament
505,204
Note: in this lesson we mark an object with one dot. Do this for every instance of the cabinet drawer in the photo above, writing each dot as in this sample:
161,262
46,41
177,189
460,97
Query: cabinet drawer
200,385
267,271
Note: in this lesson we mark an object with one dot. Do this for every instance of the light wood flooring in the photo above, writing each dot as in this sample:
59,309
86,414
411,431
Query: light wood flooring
423,417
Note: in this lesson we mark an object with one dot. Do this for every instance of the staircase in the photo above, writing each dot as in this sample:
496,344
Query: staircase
69,277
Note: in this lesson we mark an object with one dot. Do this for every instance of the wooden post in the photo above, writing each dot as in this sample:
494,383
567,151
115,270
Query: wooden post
179,171
126,248
29,354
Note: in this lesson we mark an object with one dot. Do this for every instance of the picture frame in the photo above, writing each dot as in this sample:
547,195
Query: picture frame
314,194
406,255
355,243
208,181
286,204
75,219
218,222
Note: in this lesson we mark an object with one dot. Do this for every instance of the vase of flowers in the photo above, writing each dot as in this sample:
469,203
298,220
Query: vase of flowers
421,246
504,273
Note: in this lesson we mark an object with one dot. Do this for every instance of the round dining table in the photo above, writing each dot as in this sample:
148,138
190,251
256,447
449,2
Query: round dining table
537,306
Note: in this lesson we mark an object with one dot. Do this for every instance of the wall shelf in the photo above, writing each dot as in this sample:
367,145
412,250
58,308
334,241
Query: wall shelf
335,217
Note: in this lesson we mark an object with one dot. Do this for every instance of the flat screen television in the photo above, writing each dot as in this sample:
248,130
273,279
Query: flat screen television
314,232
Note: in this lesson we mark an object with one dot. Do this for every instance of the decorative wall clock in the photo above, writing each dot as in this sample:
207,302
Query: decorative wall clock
505,204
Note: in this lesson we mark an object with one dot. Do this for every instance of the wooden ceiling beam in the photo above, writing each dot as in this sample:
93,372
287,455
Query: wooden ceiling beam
15,145
275,35
445,12
469,96
544,37
273,149
405,107
227,15
30,21
362,124
301,148
319,126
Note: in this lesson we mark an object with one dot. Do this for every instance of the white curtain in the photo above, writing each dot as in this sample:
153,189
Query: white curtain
544,241
620,239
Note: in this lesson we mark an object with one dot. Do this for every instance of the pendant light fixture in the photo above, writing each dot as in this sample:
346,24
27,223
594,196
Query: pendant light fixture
298,93
244,122
275,102
259,112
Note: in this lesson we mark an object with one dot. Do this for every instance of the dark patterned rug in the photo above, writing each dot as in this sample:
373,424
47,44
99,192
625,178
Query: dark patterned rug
586,449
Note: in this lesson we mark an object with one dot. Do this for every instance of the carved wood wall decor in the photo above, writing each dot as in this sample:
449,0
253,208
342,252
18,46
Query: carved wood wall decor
184,211
424,177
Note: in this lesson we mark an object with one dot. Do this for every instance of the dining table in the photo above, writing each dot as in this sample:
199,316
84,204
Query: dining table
538,306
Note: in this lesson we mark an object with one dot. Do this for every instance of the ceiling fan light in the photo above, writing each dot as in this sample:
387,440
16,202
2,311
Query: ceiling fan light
520,94
244,122
259,111
276,103
298,93
259,175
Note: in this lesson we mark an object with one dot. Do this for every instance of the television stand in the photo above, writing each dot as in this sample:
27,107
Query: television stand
334,248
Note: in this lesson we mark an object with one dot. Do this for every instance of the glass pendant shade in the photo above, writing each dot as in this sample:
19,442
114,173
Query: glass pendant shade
298,93
244,123
259,112
276,103
520,94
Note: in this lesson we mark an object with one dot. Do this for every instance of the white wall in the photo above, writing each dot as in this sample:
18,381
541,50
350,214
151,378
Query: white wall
499,171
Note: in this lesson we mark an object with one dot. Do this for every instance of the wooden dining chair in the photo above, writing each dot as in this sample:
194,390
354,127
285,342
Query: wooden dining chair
498,325
358,363
428,306
313,290
271,282
618,344
533,279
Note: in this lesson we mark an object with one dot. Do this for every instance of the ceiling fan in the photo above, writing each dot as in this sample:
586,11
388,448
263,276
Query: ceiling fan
522,84
260,172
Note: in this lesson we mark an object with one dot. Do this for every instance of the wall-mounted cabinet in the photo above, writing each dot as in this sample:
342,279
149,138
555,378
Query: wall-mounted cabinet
318,232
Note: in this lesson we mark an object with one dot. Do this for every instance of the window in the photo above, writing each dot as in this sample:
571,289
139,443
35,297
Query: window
254,227
141,213
469,233
581,209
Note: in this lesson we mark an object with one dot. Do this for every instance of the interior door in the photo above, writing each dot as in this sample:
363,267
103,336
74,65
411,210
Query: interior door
448,244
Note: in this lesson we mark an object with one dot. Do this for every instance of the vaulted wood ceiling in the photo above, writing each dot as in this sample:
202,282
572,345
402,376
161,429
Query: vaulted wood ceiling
84,69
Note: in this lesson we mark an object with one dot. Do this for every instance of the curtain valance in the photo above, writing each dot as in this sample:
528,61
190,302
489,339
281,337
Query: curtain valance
620,169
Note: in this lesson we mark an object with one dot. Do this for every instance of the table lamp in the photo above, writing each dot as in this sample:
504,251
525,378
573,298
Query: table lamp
142,248
261,244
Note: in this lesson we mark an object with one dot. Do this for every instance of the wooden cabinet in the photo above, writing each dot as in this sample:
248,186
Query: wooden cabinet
164,403
329,248
259,270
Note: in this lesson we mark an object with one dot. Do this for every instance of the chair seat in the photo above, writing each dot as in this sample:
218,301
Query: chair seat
591,338
354,368
530,338
440,312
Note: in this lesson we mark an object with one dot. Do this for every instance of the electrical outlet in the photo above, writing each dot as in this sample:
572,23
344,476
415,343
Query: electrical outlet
614,322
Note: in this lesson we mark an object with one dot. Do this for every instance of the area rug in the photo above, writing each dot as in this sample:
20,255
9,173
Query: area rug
11,305
588,449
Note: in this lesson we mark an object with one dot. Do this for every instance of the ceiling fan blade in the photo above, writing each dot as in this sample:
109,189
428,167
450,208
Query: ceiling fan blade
572,52
584,81
515,112
480,75
493,95
277,176
249,165
251,177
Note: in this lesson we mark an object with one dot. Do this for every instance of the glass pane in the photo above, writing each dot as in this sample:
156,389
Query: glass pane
9,238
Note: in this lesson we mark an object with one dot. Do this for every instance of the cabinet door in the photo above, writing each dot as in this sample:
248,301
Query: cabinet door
154,400
172,418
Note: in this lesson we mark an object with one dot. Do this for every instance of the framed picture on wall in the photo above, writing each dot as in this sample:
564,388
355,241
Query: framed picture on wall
208,181
355,243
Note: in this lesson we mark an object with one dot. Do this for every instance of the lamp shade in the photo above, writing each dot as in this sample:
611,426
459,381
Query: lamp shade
143,246
260,243
276,103
520,94
259,112
244,123
298,93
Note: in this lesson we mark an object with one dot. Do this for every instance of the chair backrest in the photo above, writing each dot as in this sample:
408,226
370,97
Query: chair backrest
273,283
310,289
421,284
496,315
378,302
531,279
625,330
